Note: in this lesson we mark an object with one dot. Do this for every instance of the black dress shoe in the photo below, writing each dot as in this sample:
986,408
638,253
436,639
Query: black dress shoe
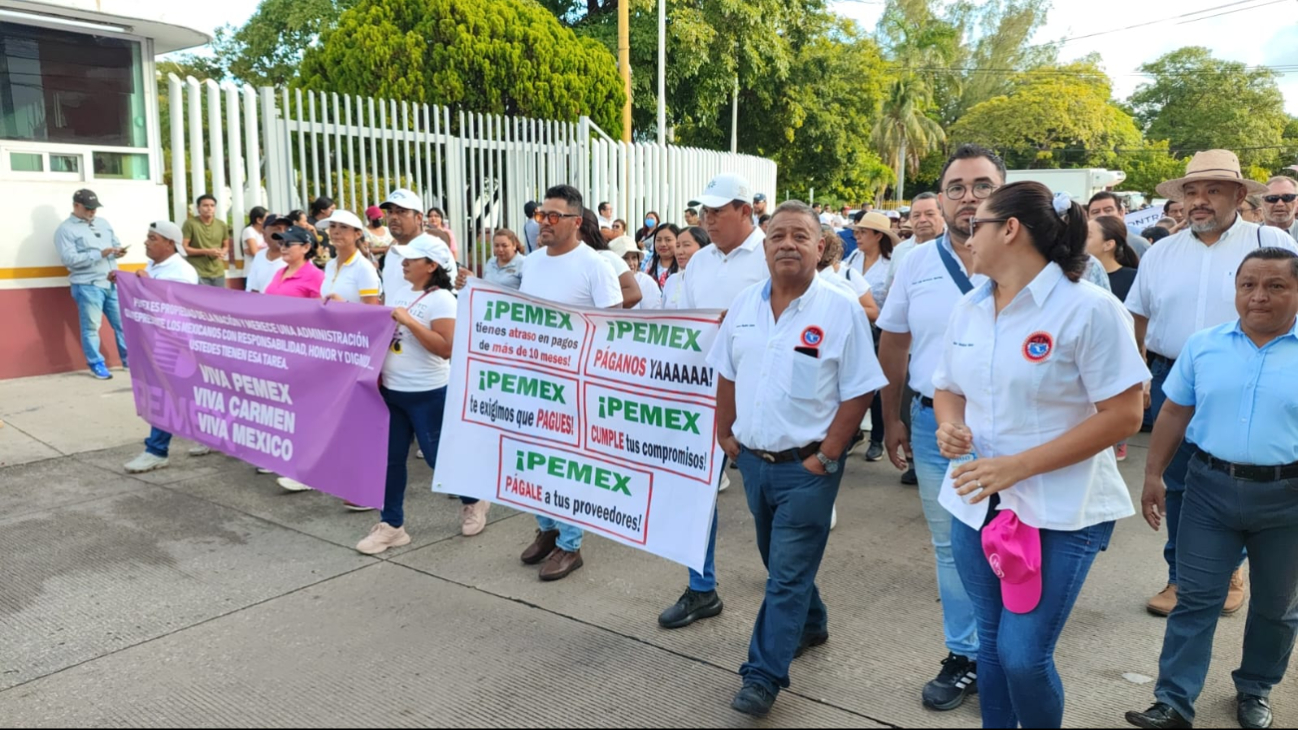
1158,717
809,642
692,606
1253,711
909,478
754,700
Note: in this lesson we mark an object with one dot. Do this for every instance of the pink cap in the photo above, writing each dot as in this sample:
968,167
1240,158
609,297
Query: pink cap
1014,551
373,213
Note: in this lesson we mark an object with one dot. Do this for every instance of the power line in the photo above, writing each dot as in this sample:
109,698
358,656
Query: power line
1183,19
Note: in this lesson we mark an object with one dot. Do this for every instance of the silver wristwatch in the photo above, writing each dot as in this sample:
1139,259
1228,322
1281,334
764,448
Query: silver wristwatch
831,465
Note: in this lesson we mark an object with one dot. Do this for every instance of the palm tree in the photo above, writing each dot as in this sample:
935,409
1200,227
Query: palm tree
903,131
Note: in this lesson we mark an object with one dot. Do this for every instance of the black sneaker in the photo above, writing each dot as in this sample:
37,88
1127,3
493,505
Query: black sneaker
754,700
875,452
855,443
909,478
809,642
957,680
692,606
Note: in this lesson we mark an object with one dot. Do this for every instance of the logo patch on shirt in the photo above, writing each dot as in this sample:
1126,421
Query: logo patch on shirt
813,336
1038,346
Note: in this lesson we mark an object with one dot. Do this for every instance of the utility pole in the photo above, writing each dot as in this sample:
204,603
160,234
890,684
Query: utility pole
734,118
901,169
624,62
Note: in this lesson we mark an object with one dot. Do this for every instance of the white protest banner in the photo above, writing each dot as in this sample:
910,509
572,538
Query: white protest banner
605,419
1139,220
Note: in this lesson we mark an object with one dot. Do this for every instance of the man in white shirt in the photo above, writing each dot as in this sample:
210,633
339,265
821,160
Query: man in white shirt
605,215
568,272
165,248
1185,284
405,217
925,222
929,283
1280,204
716,275
799,350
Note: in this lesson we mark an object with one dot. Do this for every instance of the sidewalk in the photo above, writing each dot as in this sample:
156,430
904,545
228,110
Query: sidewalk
203,595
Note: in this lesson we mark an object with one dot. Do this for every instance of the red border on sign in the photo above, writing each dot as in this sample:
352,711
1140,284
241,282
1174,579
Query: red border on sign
712,461
583,318
500,492
585,361
575,381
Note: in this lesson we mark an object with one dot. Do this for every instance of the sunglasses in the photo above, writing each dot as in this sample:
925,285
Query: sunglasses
975,222
553,218
1287,197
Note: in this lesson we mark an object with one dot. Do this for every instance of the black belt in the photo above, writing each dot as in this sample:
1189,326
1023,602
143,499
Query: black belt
1155,357
1248,472
925,401
781,457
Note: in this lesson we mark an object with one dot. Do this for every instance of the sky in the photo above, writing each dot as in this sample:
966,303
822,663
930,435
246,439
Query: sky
1256,32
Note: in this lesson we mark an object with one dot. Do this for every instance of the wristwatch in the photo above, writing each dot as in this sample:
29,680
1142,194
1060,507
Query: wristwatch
831,465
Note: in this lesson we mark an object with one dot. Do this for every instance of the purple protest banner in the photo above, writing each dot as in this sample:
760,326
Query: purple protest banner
285,384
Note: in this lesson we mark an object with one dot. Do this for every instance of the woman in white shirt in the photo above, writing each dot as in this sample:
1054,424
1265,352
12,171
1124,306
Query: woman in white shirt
505,267
833,269
662,242
254,235
351,277
690,241
875,240
1040,376
590,234
651,297
415,375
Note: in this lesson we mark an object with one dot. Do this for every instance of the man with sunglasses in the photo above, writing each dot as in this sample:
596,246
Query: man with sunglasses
929,283
89,249
1280,204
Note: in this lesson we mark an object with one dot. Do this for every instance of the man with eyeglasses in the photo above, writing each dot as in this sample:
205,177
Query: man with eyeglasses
928,285
89,249
1280,204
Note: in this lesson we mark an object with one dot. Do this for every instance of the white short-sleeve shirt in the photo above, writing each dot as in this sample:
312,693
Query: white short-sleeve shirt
351,280
717,278
174,268
651,297
579,278
1183,286
1030,375
788,399
920,303
847,279
409,367
394,279
261,272
673,291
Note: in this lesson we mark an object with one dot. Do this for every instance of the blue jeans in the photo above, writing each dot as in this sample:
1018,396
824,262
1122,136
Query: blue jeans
958,623
417,415
158,443
93,304
707,580
1018,684
791,508
1220,517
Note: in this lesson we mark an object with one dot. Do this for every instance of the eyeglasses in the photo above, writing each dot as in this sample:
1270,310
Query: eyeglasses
1287,197
975,222
553,218
290,244
980,191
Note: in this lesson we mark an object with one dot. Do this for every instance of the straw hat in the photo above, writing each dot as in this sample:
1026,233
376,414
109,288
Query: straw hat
876,221
1215,165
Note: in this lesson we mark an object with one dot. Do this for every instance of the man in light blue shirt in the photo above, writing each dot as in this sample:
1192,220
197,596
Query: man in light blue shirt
1231,395
89,249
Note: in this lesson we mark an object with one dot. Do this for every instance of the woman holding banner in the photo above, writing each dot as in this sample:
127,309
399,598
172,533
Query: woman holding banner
415,375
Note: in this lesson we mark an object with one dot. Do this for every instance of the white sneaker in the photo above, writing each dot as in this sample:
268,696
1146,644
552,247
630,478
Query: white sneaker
833,518
264,471
199,450
473,517
293,485
725,482
145,462
419,453
383,537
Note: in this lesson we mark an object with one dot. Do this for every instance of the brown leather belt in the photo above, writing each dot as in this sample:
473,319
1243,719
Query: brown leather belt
1248,472
781,457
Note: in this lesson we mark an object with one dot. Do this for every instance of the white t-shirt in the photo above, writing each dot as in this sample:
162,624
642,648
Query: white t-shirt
253,233
847,279
355,279
409,367
673,291
617,262
262,271
175,268
651,297
579,278
394,279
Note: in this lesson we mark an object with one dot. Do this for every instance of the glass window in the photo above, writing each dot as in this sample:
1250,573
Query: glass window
65,163
77,88
26,162
121,165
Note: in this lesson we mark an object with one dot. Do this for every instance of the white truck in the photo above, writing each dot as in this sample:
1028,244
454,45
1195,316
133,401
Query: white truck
1079,184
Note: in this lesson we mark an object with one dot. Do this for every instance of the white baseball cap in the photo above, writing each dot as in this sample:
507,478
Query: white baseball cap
170,231
623,245
425,246
344,217
403,198
725,189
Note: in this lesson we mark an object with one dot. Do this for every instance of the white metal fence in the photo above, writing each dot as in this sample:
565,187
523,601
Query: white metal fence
281,149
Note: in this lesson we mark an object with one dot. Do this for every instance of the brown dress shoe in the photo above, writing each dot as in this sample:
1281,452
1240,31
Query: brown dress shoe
1163,603
1235,597
541,547
560,564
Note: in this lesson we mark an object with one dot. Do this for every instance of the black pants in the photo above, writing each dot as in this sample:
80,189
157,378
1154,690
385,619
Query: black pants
876,405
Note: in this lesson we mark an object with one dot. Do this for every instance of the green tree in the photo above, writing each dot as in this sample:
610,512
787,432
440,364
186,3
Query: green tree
996,44
1198,102
266,50
489,56
1148,165
1055,117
